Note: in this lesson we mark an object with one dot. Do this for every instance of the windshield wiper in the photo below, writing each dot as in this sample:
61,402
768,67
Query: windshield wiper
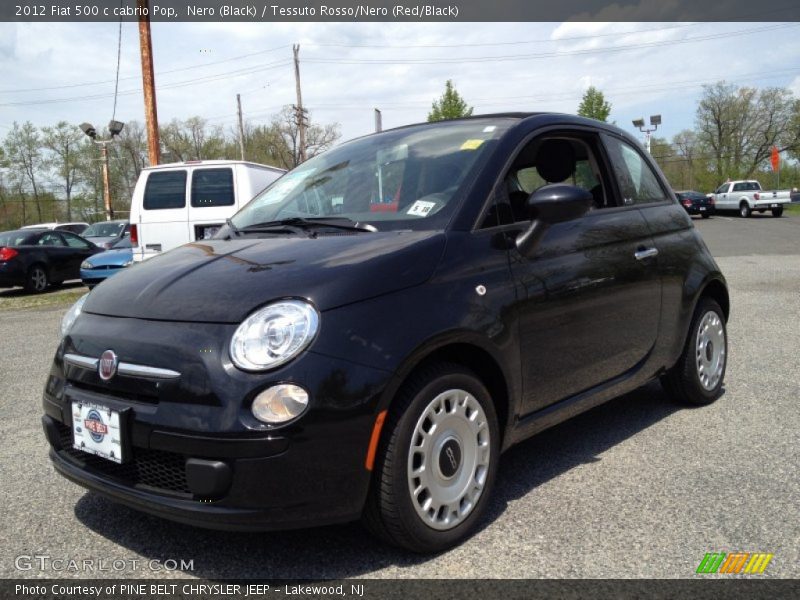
234,230
305,223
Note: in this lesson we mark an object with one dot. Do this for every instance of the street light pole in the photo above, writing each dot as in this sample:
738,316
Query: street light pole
114,128
655,121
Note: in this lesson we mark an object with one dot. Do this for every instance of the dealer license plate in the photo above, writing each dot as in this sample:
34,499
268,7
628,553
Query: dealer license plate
97,430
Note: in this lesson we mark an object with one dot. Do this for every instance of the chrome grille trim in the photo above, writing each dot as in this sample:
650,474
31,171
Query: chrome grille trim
146,372
123,368
83,362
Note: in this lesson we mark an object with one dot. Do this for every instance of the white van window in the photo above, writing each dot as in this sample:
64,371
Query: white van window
212,187
165,190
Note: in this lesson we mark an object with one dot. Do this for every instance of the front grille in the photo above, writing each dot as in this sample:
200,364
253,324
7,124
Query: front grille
160,471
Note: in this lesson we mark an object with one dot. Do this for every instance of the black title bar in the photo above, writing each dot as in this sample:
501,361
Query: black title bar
400,10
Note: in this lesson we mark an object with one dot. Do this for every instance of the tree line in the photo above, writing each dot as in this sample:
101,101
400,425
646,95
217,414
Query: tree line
54,173
734,132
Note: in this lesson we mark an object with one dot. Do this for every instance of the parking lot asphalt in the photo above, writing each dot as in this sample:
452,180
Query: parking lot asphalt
638,487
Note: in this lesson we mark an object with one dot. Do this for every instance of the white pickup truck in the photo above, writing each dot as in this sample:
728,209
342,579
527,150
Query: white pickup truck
747,196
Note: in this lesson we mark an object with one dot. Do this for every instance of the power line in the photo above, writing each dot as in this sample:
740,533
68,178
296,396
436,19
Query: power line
159,73
641,88
553,54
188,82
514,43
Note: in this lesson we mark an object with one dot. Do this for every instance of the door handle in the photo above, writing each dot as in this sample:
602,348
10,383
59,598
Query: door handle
643,253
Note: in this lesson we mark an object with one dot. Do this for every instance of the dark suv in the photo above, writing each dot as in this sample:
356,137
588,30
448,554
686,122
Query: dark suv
369,334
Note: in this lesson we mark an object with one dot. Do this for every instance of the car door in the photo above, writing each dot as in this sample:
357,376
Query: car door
721,196
589,295
78,250
55,253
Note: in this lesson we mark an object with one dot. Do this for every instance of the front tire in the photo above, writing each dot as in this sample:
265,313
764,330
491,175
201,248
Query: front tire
36,281
437,461
744,210
777,212
697,377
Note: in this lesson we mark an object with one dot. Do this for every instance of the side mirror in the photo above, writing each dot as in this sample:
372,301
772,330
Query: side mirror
549,205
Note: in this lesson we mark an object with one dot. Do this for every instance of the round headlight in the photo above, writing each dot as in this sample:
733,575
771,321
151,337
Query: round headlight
280,403
87,265
72,314
274,335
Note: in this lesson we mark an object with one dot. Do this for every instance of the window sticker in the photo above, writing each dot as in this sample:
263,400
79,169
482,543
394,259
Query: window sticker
420,208
471,144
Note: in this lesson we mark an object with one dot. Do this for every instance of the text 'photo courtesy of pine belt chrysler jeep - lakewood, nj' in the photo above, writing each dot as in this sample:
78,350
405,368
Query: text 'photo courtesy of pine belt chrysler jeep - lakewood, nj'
367,336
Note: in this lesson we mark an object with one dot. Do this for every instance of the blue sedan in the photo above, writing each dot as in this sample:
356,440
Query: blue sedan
102,266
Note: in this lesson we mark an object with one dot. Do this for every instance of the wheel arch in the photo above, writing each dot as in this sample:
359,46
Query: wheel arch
471,354
717,291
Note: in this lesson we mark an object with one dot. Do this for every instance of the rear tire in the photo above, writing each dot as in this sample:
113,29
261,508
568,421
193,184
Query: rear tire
436,462
777,212
744,210
705,215
36,281
696,379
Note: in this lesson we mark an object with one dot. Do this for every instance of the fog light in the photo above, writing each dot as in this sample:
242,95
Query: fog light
280,403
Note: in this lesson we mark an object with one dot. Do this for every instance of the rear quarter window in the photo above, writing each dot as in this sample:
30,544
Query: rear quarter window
165,190
212,187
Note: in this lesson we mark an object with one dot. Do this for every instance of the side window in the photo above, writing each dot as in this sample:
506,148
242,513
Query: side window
165,190
73,241
738,187
637,181
212,187
723,189
555,158
50,239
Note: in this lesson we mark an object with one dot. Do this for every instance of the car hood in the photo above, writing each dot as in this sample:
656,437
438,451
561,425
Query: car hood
222,281
118,256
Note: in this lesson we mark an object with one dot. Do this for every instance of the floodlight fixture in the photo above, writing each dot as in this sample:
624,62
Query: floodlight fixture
89,130
115,127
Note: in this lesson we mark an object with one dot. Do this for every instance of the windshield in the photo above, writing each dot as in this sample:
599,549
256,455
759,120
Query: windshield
104,229
402,179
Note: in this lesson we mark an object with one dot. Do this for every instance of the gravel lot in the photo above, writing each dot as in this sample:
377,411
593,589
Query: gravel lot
636,488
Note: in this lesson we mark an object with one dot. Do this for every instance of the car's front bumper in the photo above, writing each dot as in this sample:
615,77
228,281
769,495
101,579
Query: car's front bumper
196,454
95,276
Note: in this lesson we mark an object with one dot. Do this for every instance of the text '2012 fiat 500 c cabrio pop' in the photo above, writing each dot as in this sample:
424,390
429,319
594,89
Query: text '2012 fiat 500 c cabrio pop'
368,334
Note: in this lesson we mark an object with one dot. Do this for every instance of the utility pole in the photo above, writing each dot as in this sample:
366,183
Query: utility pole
378,121
300,112
148,83
106,181
241,124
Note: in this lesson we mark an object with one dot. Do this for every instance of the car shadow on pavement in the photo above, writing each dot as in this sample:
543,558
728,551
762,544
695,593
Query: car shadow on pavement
344,551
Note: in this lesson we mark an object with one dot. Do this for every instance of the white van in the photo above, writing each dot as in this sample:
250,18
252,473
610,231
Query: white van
178,203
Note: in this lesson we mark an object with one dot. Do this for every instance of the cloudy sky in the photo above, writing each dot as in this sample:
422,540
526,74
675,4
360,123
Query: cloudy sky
66,71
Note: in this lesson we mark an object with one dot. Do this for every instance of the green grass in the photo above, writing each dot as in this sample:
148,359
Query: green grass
17,299
791,209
